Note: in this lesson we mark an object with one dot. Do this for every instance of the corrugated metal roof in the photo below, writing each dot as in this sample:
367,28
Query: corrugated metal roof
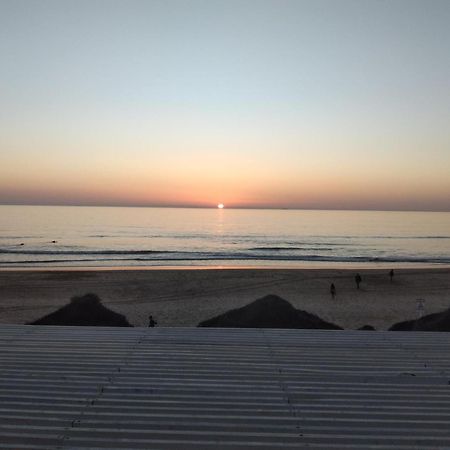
200,388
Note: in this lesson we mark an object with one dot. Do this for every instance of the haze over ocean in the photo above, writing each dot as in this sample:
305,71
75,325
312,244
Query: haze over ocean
102,236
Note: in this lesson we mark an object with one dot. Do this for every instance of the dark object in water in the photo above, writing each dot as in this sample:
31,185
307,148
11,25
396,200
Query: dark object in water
86,310
367,328
432,322
270,311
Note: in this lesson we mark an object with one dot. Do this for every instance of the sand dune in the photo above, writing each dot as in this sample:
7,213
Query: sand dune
270,311
86,310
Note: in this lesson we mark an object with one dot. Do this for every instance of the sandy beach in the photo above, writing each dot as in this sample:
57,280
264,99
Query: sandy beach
186,297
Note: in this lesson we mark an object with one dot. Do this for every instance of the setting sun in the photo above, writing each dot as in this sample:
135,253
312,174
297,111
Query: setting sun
220,205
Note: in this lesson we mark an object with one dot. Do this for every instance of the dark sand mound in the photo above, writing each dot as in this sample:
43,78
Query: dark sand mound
270,311
367,328
86,310
433,322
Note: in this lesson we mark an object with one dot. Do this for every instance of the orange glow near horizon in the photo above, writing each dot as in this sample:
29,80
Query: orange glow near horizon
306,193
195,177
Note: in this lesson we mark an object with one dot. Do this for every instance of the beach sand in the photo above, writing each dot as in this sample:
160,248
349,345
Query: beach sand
186,297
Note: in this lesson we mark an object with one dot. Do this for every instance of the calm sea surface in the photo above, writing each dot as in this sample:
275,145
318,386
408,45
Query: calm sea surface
91,236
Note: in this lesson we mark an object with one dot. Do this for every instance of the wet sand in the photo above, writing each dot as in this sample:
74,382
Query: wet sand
186,297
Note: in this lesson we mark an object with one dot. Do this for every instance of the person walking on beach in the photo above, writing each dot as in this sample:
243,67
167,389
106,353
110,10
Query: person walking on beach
391,274
358,280
333,291
151,322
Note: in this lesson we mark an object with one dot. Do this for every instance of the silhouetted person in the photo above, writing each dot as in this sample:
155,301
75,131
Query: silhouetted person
333,290
391,274
151,322
358,280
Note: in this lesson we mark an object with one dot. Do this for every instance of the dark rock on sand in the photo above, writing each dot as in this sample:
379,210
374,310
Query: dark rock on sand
270,311
433,322
367,328
86,310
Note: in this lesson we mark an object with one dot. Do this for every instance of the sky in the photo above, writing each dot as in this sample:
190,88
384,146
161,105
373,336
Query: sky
251,103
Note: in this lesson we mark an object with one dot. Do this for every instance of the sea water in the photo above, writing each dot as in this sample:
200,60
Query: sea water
42,236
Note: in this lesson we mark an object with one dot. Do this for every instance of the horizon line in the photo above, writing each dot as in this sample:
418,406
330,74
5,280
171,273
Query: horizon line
187,206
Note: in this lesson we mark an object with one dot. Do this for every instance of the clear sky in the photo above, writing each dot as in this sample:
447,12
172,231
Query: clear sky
298,104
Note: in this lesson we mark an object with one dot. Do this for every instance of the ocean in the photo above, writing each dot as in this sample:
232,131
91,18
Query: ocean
66,236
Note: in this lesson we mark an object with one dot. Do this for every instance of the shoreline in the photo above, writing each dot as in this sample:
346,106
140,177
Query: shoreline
185,296
297,266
